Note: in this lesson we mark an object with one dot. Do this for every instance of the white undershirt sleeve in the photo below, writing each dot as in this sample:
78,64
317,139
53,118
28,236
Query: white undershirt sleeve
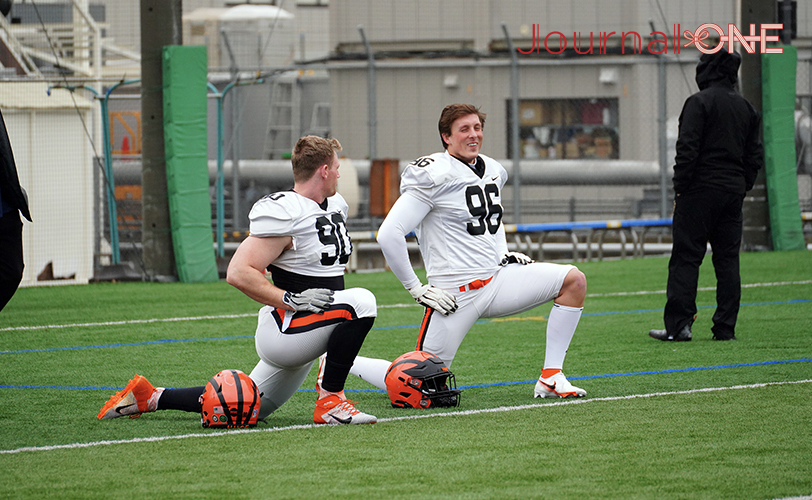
403,218
501,242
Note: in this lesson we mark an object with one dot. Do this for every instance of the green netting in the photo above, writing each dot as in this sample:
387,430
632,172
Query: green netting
778,103
184,92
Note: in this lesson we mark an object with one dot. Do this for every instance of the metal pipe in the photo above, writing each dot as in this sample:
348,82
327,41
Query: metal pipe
220,201
514,127
534,172
371,93
630,60
662,112
235,137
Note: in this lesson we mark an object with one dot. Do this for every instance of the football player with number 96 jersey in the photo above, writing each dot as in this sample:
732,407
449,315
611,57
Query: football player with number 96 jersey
452,201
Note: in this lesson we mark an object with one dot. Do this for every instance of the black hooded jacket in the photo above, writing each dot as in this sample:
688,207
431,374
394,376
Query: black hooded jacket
718,145
10,191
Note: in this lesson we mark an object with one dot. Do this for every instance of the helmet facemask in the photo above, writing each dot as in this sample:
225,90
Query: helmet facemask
421,380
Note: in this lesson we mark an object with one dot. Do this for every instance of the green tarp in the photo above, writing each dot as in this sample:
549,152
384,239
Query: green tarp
187,173
778,104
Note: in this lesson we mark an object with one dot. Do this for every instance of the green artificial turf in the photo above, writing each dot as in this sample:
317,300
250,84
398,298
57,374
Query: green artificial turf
700,419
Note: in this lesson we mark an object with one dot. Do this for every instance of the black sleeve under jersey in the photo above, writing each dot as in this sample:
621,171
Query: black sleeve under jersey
297,283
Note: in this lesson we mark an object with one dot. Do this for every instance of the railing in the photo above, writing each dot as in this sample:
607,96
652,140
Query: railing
523,235
531,239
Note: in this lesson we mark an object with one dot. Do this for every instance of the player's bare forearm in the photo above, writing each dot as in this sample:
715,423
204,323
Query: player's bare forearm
255,285
246,269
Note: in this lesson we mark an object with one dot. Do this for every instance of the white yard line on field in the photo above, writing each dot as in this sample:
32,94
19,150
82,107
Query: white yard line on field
128,322
501,409
701,289
386,306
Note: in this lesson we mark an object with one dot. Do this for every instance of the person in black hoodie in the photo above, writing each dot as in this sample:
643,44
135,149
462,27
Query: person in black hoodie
719,154
12,202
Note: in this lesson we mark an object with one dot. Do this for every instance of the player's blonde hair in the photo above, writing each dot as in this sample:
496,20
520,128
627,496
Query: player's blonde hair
310,153
451,113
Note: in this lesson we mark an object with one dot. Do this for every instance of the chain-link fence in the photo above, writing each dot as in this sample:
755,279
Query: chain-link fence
803,132
581,158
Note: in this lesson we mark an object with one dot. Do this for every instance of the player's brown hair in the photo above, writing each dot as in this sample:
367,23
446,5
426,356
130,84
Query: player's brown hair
454,111
311,152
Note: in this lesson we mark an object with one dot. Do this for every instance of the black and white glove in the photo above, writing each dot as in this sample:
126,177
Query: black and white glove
515,258
316,300
435,298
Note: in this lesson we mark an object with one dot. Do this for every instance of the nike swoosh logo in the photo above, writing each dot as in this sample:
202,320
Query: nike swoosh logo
494,178
341,420
118,410
551,387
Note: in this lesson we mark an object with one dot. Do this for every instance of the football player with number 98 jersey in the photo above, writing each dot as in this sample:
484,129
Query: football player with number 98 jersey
321,244
452,201
300,238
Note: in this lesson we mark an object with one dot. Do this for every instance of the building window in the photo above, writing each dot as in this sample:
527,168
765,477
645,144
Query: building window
567,128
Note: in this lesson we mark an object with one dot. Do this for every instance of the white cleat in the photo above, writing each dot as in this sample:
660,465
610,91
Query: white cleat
139,396
557,386
336,411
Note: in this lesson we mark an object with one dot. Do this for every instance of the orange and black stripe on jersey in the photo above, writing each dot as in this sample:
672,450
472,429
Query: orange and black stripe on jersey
308,321
424,327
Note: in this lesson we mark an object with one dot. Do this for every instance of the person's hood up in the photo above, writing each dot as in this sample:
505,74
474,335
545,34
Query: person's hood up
722,67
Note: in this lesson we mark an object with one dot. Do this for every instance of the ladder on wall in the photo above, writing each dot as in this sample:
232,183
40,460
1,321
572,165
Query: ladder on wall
283,118
320,120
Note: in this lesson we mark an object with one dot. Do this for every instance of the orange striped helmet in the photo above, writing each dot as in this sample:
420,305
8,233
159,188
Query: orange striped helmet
419,379
231,400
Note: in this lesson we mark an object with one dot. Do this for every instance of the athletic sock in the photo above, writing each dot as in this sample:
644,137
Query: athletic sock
371,370
342,348
560,329
152,402
186,399
324,394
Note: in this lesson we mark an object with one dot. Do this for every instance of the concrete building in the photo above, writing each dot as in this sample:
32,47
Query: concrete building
433,53
589,85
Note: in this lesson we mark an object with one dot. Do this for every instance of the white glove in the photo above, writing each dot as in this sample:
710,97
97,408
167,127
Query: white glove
435,298
316,300
515,258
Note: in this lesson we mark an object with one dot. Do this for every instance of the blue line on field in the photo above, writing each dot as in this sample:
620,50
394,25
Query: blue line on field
656,372
174,341
147,342
744,304
478,386
73,387
635,311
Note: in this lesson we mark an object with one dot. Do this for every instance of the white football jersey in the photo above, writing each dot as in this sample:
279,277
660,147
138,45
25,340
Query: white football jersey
458,237
321,243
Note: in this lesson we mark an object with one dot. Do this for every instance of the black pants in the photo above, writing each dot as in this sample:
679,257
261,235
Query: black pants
11,255
699,218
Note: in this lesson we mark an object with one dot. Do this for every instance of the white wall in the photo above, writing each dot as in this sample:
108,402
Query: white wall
54,162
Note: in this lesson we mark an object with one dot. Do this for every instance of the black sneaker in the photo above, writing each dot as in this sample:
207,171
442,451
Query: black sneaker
684,335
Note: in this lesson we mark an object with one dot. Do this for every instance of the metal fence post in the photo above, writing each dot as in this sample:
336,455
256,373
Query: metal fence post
662,132
220,181
514,127
371,91
220,203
